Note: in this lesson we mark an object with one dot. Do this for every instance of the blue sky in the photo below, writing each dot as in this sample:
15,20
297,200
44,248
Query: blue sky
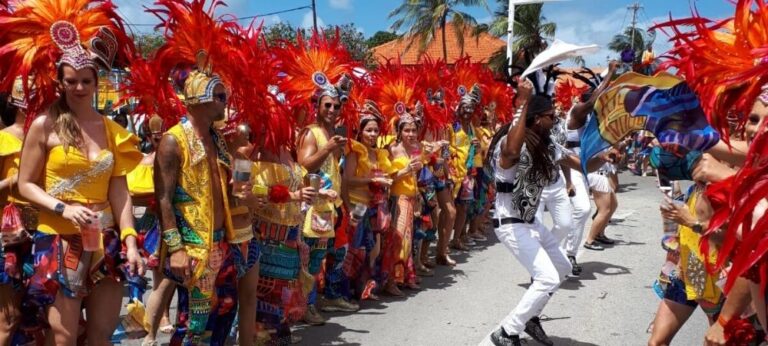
579,21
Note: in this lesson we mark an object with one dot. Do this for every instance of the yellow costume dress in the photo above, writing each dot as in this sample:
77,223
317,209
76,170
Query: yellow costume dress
284,283
700,285
72,178
398,260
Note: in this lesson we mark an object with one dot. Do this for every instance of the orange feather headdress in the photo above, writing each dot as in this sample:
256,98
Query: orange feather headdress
431,91
498,98
395,93
321,66
38,35
725,62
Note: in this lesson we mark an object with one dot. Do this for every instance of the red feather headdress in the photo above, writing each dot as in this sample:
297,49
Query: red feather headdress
566,91
725,62
151,90
195,38
39,34
256,96
498,99
465,84
315,68
431,85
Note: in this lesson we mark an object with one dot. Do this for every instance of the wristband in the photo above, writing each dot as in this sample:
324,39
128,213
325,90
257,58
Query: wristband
172,239
127,232
722,321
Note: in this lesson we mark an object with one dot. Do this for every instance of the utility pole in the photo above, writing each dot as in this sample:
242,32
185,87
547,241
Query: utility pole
634,8
314,15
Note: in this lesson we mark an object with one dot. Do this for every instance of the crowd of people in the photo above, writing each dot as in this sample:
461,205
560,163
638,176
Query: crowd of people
265,185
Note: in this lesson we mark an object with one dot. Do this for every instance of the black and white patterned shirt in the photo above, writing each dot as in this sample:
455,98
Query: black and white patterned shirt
523,202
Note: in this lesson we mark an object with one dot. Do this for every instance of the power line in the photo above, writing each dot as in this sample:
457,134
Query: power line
243,18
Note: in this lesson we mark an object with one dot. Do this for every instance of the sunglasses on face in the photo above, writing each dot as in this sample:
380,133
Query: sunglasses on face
334,106
221,97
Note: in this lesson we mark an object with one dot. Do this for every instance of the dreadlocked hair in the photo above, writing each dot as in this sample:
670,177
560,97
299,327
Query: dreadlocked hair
541,162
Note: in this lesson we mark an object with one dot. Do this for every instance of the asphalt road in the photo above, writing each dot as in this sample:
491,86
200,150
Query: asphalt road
612,303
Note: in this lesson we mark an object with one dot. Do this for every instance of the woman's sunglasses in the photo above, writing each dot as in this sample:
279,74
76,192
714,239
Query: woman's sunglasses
329,105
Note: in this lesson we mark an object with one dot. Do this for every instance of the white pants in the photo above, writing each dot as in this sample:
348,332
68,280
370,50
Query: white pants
539,252
581,210
555,199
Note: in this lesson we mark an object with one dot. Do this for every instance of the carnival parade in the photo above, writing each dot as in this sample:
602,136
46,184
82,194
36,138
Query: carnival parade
226,181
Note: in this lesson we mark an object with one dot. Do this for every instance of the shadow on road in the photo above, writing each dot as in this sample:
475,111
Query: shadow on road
326,335
565,342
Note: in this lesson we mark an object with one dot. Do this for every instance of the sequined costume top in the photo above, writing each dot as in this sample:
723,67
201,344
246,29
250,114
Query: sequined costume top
71,177
332,181
193,199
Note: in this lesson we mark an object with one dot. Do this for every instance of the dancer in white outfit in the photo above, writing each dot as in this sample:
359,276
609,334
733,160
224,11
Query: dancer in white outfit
523,161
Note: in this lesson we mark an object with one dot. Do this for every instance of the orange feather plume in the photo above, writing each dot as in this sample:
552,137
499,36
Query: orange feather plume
395,93
498,98
27,49
301,63
153,92
431,90
464,76
725,62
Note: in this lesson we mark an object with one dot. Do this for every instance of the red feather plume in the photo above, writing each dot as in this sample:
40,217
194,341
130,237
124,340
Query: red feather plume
566,91
394,90
147,83
433,77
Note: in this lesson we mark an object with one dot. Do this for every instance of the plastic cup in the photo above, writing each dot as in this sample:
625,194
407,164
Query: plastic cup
91,234
241,175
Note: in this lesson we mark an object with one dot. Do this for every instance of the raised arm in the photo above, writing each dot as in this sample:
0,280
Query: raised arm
581,110
510,149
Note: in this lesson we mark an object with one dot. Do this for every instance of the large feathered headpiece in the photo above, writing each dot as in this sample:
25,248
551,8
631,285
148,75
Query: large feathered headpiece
725,62
152,92
39,35
431,91
395,93
315,68
259,101
465,84
195,38
566,91
498,99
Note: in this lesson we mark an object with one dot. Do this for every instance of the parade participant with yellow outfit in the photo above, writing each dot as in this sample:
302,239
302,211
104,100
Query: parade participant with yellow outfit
465,145
19,217
367,178
192,174
311,68
74,166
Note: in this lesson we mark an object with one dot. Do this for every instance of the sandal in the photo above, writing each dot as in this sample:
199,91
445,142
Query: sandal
393,291
601,238
425,272
166,329
594,246
457,245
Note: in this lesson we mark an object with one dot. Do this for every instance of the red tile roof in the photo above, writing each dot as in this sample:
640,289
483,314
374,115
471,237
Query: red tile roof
479,50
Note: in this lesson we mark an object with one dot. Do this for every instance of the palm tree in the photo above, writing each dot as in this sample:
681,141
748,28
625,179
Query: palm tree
423,17
642,40
532,31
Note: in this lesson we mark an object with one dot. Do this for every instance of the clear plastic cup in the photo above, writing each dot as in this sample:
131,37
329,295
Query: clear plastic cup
241,175
91,234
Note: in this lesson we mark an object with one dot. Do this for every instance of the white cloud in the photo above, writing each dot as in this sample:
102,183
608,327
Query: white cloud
341,4
306,21
581,28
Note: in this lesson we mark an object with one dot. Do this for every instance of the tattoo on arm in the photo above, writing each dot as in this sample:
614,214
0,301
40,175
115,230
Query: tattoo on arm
167,168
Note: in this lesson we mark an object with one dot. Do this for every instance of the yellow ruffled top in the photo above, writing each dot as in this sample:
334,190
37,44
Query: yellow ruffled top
460,151
699,283
270,174
141,180
10,156
71,177
406,185
362,194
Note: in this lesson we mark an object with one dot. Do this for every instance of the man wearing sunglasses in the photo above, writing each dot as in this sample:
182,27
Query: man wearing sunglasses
191,190
319,151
